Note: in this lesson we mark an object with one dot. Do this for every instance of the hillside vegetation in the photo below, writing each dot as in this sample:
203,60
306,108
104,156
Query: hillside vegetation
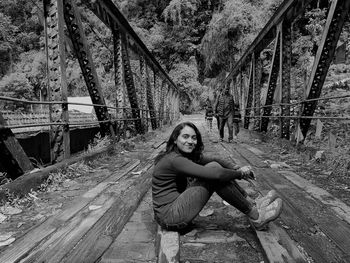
197,42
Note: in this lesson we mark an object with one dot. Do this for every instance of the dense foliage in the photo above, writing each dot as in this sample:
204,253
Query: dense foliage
196,41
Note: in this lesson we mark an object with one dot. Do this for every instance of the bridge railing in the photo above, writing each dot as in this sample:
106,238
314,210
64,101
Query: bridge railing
145,95
276,102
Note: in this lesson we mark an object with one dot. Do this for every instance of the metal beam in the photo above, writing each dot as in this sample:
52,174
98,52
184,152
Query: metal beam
257,91
130,86
109,13
13,158
250,94
287,11
150,101
143,95
272,82
57,83
324,57
285,69
118,80
81,48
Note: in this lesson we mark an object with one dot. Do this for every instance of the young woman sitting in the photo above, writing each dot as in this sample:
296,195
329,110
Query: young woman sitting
184,179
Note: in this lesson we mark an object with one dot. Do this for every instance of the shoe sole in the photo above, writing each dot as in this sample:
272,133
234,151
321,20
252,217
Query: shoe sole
278,211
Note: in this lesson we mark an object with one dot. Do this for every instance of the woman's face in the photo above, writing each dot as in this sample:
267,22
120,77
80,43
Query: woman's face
187,140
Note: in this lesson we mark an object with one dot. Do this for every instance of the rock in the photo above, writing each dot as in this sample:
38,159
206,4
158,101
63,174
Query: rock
319,155
219,236
2,218
206,212
10,210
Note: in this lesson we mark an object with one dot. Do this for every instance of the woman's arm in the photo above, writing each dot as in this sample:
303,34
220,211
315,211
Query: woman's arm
224,163
186,167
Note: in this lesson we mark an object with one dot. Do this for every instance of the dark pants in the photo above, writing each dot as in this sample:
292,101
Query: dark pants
187,206
222,122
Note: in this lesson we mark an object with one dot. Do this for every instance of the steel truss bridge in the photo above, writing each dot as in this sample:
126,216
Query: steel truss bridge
155,100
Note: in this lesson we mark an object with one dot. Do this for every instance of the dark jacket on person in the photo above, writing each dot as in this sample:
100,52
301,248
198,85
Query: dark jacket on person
224,105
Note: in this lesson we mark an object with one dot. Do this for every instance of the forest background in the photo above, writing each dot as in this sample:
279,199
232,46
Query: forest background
196,41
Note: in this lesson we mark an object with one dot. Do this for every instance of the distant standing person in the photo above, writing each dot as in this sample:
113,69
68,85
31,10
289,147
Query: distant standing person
224,109
236,120
209,113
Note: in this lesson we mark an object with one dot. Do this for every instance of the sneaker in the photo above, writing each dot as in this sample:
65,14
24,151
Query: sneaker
267,214
221,139
229,141
266,200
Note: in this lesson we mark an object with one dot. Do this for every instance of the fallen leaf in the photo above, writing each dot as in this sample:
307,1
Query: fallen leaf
94,207
33,196
6,236
10,210
7,242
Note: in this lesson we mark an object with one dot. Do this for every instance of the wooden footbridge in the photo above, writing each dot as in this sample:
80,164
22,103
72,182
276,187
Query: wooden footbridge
111,221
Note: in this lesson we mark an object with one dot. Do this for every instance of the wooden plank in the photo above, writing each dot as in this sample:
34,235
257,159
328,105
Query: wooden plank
22,246
278,246
341,209
167,246
248,155
29,181
158,144
102,234
67,237
309,222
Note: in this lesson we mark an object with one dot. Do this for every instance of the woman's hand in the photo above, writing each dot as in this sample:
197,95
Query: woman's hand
247,173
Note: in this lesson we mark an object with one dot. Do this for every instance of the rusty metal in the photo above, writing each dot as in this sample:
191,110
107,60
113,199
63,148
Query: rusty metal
118,80
162,100
257,90
57,83
143,93
150,102
324,57
249,98
130,86
284,71
13,158
111,16
272,83
76,33
288,11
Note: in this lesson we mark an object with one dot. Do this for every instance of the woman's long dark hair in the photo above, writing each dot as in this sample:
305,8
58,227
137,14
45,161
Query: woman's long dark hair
171,145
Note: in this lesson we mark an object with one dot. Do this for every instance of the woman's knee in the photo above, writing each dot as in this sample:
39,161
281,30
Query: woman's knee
213,164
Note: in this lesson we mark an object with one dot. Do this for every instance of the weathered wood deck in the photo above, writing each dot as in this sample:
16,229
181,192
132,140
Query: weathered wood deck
113,221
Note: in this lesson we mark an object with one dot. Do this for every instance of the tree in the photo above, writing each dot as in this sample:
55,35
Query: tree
16,85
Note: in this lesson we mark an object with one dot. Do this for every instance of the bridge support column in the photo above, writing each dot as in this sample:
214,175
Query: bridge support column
285,69
119,82
324,56
13,158
57,83
249,97
131,90
143,95
76,33
150,102
272,83
257,91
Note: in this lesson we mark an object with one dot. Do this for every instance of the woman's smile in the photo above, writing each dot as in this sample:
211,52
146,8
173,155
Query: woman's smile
187,140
